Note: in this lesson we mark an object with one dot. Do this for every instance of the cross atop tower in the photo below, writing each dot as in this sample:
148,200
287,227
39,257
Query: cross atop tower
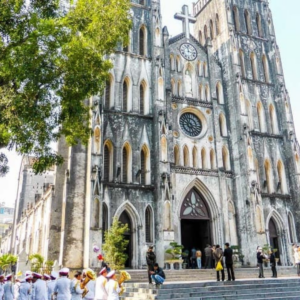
186,19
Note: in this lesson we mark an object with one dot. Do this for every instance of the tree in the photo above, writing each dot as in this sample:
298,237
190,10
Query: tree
115,245
37,262
52,59
6,260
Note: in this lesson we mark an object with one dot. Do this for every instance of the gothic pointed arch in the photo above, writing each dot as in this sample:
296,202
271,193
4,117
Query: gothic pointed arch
226,158
204,159
200,92
144,98
223,125
205,33
195,157
211,29
207,93
179,89
219,92
161,93
126,103
250,158
104,220
269,176
186,156
204,67
212,159
218,27
164,148
282,184
108,160
266,68
253,62
145,165
242,63
247,16
259,25
97,140
127,163
173,87
178,64
109,91
273,119
261,117
149,224
172,62
143,40
157,37
176,155
236,18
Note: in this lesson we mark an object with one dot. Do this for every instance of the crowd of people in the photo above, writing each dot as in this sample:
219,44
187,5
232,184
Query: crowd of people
58,286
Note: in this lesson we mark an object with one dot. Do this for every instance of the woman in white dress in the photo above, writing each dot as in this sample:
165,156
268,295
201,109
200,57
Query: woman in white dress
113,288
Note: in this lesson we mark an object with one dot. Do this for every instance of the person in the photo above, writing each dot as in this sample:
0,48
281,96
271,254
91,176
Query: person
39,287
112,287
101,281
158,275
62,285
273,263
151,260
1,286
75,289
213,262
193,258
218,257
25,289
51,284
208,254
260,258
228,253
89,275
9,291
198,257
17,288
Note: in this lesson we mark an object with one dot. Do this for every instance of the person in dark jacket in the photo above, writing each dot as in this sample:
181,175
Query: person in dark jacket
260,258
228,253
218,257
273,263
151,260
158,275
208,254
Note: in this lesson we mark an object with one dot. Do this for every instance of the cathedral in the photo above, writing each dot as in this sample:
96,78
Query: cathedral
193,142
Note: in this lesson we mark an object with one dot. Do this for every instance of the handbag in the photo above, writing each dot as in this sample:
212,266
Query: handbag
219,266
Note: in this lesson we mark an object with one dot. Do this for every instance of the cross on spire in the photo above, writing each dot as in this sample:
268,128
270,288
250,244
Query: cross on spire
186,19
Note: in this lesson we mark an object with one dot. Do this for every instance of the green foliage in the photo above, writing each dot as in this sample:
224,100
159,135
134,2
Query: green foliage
51,60
48,266
115,245
6,260
175,251
37,262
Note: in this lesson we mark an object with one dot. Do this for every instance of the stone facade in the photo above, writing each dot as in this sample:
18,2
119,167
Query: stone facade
193,142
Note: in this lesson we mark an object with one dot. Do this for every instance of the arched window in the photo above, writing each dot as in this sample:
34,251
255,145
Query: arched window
219,91
125,96
259,25
176,156
269,176
204,159
126,163
236,18
179,89
195,158
211,29
178,65
145,166
200,96
108,93
142,42
212,159
164,149
207,93
108,161
173,87
149,225
261,117
223,125
199,68
96,211
278,66
253,66
282,177
200,37
266,68
186,156
225,157
218,30
204,73
161,94
273,119
242,63
97,140
104,220
142,98
248,22
172,62
250,158
205,34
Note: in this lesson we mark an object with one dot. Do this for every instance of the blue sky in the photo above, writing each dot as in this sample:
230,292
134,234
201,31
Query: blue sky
286,18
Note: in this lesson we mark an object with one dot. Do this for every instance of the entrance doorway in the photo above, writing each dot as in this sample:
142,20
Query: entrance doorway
125,219
195,224
274,239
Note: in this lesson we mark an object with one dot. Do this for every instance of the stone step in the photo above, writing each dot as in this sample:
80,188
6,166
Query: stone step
239,290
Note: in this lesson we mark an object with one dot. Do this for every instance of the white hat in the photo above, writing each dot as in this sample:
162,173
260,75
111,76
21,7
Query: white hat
36,275
110,274
28,273
102,271
64,271
54,274
28,277
46,276
9,276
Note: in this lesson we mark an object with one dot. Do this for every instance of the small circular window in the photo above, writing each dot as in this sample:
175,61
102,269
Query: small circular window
190,124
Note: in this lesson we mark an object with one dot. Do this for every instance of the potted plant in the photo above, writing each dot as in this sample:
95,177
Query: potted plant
266,250
175,251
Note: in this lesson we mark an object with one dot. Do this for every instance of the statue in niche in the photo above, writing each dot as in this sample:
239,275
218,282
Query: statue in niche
188,84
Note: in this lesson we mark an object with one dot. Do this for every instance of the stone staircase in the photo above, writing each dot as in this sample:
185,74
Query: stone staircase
277,289
204,275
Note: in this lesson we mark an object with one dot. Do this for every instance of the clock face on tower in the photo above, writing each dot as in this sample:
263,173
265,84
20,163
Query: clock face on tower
188,51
